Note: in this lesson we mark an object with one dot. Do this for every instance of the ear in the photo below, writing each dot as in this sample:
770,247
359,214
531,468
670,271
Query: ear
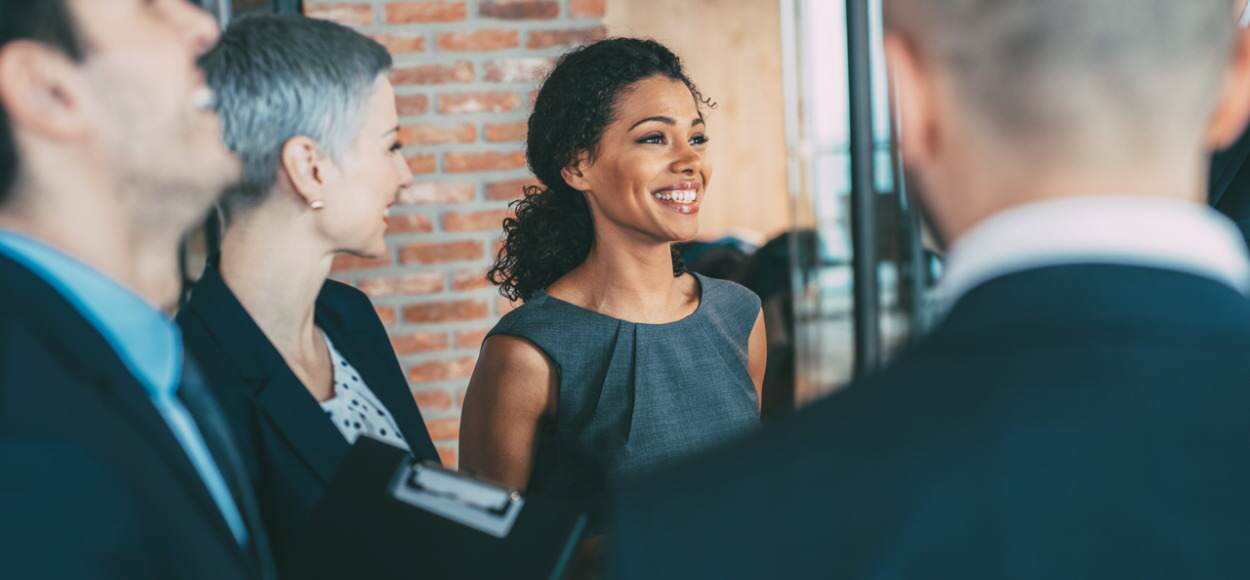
912,87
42,91
306,169
576,174
1232,110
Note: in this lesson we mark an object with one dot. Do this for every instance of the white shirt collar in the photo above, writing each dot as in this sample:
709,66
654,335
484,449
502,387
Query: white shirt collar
1156,232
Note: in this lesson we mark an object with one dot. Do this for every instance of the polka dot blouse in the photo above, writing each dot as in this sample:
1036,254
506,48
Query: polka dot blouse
354,409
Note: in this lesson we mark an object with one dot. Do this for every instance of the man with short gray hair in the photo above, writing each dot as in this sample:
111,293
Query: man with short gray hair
1079,412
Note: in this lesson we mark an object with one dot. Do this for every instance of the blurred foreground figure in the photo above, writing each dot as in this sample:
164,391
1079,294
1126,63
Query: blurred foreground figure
114,460
1080,411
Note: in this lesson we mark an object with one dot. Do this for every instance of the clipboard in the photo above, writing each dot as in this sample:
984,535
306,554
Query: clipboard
462,499
385,515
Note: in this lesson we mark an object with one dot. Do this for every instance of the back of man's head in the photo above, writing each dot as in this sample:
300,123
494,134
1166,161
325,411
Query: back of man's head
46,21
1005,102
279,77
1048,72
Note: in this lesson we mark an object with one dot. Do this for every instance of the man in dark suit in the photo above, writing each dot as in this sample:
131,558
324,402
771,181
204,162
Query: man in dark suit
1079,412
114,459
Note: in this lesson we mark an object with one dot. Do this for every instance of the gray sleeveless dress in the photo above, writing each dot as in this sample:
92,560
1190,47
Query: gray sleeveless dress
634,396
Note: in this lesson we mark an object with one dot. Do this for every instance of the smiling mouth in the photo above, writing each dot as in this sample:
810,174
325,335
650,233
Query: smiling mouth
683,200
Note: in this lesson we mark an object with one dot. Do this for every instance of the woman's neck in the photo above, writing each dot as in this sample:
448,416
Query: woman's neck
277,274
630,281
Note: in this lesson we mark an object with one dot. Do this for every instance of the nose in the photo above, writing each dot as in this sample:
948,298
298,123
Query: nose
405,172
199,27
688,162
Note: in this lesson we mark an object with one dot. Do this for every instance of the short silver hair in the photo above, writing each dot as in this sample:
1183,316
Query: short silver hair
1041,68
279,77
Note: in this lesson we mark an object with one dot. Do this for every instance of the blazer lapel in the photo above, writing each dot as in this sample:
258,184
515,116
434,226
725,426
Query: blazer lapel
133,402
91,356
302,423
279,394
380,371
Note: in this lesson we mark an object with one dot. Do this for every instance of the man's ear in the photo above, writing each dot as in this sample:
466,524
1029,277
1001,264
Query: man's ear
43,92
576,174
1232,109
307,170
914,99
915,96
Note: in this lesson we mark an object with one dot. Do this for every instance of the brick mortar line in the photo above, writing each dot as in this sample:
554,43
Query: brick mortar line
495,176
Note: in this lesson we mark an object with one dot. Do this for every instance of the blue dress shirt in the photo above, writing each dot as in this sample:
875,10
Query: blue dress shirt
146,341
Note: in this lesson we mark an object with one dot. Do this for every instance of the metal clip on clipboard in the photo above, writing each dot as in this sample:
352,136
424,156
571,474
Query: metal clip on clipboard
471,502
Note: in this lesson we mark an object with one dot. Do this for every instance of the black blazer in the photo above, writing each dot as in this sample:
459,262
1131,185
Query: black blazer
93,483
1084,421
291,447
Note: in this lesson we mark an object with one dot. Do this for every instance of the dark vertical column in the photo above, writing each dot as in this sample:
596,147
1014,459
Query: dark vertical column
863,197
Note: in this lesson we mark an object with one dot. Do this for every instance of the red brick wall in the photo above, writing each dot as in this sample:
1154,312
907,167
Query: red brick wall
465,74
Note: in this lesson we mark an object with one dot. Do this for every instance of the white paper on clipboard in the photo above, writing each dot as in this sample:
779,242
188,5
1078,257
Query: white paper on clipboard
480,505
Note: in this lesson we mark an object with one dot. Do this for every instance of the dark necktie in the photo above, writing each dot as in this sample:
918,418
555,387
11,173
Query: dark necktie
203,407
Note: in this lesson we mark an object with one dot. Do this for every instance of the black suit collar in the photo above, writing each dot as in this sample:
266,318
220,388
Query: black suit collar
1093,296
281,395
51,318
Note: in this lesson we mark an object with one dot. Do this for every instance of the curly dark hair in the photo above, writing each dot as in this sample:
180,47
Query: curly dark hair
552,232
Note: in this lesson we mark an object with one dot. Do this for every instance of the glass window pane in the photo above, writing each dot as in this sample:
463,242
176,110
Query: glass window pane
818,143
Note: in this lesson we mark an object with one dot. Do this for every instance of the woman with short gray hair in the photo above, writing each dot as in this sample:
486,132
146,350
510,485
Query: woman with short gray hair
302,364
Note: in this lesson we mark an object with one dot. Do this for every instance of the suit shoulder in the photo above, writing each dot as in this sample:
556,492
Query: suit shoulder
20,355
28,352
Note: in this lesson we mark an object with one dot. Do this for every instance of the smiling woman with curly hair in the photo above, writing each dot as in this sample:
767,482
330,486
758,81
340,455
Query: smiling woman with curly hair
619,359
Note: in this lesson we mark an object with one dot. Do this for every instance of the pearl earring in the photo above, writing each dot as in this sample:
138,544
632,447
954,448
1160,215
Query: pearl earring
317,204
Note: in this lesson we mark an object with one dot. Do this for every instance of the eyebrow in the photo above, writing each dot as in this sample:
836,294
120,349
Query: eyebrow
394,129
667,121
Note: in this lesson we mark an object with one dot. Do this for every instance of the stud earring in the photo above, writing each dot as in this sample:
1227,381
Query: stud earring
317,204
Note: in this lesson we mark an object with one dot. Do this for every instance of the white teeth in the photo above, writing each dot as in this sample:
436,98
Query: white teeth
685,196
204,99
386,212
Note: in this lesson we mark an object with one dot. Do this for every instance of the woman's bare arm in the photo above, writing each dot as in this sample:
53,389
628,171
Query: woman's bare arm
513,386
757,357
